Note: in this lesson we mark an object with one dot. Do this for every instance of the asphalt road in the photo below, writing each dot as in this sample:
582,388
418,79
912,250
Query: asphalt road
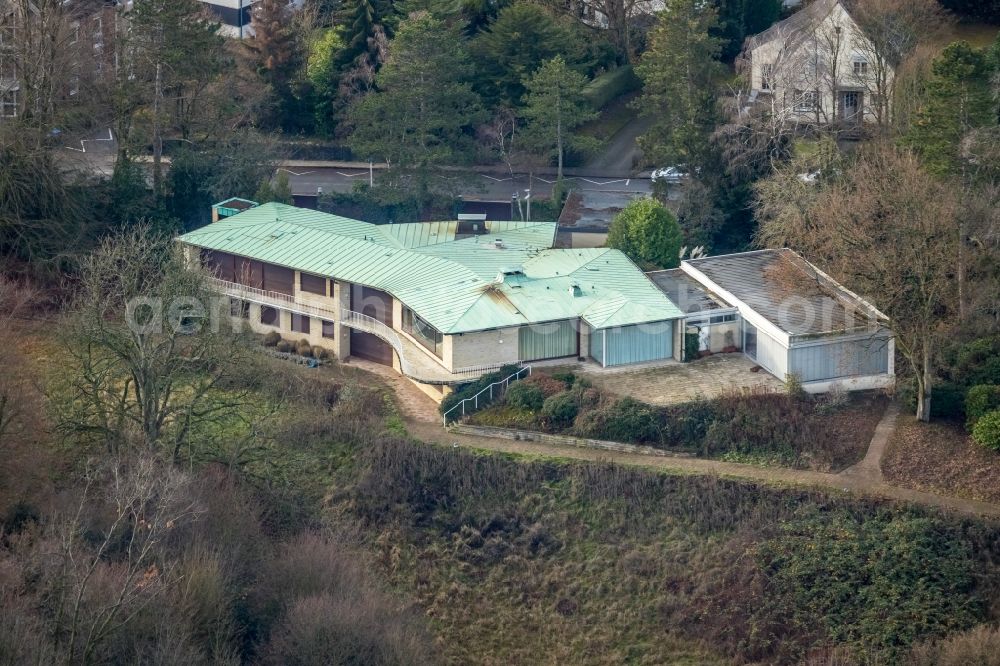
473,185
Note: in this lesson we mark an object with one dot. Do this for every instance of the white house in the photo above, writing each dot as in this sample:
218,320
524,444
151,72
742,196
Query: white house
817,67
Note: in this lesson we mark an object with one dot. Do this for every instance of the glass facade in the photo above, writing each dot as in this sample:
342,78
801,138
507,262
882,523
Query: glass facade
422,332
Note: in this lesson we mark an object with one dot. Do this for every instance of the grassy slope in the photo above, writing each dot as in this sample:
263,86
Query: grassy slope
518,562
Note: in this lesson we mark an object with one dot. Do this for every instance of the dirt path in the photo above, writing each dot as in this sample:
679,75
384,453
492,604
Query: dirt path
434,433
422,421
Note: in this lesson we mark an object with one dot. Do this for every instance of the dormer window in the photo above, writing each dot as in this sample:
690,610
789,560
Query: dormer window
860,68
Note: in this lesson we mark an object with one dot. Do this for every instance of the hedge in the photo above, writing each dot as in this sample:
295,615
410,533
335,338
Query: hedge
610,86
979,401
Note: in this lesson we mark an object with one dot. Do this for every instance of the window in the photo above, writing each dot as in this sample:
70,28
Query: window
300,323
766,76
328,329
860,68
720,319
239,308
75,32
8,104
313,284
6,35
269,316
423,332
74,84
805,100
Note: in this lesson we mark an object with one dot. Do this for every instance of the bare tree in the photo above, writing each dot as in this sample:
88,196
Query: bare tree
886,229
101,587
150,344
42,50
892,30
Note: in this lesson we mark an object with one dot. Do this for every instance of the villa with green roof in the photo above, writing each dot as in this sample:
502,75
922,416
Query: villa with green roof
445,302
441,302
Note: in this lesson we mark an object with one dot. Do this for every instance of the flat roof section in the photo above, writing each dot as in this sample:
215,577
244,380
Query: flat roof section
689,295
789,292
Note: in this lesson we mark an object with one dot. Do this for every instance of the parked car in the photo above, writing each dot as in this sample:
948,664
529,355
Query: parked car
670,174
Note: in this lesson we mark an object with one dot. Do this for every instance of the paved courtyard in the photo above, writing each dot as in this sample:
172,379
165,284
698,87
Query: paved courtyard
680,382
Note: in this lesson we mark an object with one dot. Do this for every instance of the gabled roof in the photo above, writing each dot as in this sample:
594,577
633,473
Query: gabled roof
450,282
794,27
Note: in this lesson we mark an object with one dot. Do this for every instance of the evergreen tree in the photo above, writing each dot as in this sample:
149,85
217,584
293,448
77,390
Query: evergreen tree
555,107
523,37
279,59
363,24
959,99
422,113
681,74
648,233
739,19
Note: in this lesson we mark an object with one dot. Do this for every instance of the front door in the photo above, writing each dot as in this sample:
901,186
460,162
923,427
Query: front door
851,106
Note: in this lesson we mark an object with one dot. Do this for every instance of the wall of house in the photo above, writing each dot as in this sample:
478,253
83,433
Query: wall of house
772,354
839,358
464,350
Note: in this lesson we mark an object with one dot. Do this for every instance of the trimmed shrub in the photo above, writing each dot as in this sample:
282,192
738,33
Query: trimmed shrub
549,385
987,431
559,411
523,395
303,348
628,420
284,346
610,86
320,353
272,338
979,401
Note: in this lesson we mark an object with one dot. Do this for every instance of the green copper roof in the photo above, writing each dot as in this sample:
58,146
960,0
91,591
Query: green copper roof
451,283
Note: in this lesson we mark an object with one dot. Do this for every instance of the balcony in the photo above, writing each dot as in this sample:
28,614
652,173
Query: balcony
414,361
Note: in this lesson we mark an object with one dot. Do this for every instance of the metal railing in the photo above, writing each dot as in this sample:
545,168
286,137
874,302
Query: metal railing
272,298
351,319
367,324
493,391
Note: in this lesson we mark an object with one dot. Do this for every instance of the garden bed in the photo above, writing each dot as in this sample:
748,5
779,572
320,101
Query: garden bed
940,457
758,426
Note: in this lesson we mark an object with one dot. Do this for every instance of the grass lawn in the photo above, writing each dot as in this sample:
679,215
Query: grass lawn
941,457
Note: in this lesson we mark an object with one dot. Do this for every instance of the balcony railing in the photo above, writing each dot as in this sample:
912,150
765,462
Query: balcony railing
271,298
414,362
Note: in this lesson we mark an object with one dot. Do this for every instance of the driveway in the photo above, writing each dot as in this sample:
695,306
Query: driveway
682,382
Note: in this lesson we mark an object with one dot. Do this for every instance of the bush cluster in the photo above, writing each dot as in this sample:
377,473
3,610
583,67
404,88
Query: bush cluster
980,401
986,432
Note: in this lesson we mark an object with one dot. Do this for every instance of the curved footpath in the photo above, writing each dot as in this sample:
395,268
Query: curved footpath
423,423
843,482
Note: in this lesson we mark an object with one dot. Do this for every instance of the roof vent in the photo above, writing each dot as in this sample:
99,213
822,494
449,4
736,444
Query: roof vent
498,243
509,271
574,290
